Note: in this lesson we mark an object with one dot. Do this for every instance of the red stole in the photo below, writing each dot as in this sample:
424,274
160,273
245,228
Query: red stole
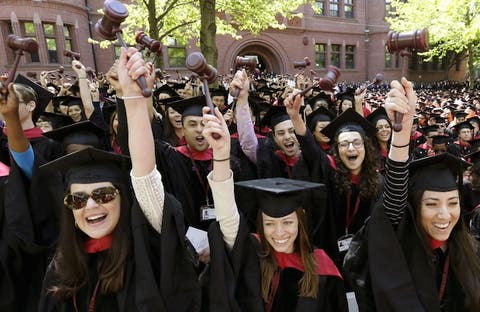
434,244
355,178
196,155
289,161
31,133
95,245
325,265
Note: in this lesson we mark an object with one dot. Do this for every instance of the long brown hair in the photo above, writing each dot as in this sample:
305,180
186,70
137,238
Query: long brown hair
463,251
70,263
369,186
308,284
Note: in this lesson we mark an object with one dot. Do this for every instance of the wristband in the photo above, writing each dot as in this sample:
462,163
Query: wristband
401,146
134,97
220,160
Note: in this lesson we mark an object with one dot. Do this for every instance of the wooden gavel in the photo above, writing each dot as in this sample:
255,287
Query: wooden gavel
327,82
197,63
404,43
378,79
108,27
250,64
71,54
302,64
19,45
145,42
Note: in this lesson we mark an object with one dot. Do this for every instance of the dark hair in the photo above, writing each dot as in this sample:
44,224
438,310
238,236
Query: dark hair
369,186
308,284
70,262
463,251
113,134
169,134
475,176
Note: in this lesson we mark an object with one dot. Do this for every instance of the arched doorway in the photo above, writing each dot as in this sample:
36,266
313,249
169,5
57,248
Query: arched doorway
268,61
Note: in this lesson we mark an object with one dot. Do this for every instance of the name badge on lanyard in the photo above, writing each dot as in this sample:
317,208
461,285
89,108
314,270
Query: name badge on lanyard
207,212
344,242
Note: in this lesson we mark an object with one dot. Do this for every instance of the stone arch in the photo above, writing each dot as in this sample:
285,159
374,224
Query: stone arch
270,53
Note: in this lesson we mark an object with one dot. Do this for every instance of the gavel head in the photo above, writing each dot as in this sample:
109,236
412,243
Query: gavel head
71,54
29,45
109,24
330,79
245,62
416,40
197,63
147,42
302,64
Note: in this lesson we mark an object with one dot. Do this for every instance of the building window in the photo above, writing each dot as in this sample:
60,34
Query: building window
176,56
388,59
319,7
67,33
334,8
350,56
49,31
388,7
348,8
335,55
29,32
320,55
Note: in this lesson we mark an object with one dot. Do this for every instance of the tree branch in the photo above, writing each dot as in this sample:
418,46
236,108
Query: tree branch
166,33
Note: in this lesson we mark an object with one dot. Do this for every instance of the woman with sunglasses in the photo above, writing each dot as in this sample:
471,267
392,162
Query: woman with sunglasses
421,256
278,269
115,254
350,173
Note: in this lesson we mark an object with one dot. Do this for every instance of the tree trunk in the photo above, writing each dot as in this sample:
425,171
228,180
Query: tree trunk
470,67
153,29
208,31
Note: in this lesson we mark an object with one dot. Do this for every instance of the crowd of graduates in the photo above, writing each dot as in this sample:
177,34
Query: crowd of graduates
105,193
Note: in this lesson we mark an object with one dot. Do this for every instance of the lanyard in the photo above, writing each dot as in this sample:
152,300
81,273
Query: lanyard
443,284
273,291
91,305
349,218
197,171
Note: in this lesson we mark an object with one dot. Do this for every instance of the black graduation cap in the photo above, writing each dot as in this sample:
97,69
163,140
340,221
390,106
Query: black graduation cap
440,139
190,106
349,121
279,197
463,125
108,109
320,114
439,119
165,89
439,173
57,120
348,94
459,114
266,90
90,165
474,119
428,129
376,115
43,95
275,115
258,104
322,96
83,132
219,92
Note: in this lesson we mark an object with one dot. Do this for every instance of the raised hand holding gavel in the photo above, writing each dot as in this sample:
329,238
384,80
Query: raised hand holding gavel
405,43
108,27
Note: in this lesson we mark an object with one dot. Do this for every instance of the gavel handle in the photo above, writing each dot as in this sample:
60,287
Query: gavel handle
141,81
206,91
13,70
235,98
304,91
398,117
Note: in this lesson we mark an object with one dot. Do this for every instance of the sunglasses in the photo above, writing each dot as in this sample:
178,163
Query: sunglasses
101,195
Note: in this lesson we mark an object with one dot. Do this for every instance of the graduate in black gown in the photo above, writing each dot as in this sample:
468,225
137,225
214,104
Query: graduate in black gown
114,253
276,270
421,256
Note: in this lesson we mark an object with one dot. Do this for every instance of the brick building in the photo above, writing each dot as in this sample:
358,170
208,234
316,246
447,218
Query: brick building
350,34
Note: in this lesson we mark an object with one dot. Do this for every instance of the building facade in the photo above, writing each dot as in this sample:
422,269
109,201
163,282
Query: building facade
350,34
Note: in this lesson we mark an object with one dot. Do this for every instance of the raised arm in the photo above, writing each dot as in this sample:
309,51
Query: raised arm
401,98
146,180
84,87
246,133
221,177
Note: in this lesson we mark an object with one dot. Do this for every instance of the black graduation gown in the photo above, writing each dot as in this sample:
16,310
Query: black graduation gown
159,275
403,275
321,171
235,283
28,232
